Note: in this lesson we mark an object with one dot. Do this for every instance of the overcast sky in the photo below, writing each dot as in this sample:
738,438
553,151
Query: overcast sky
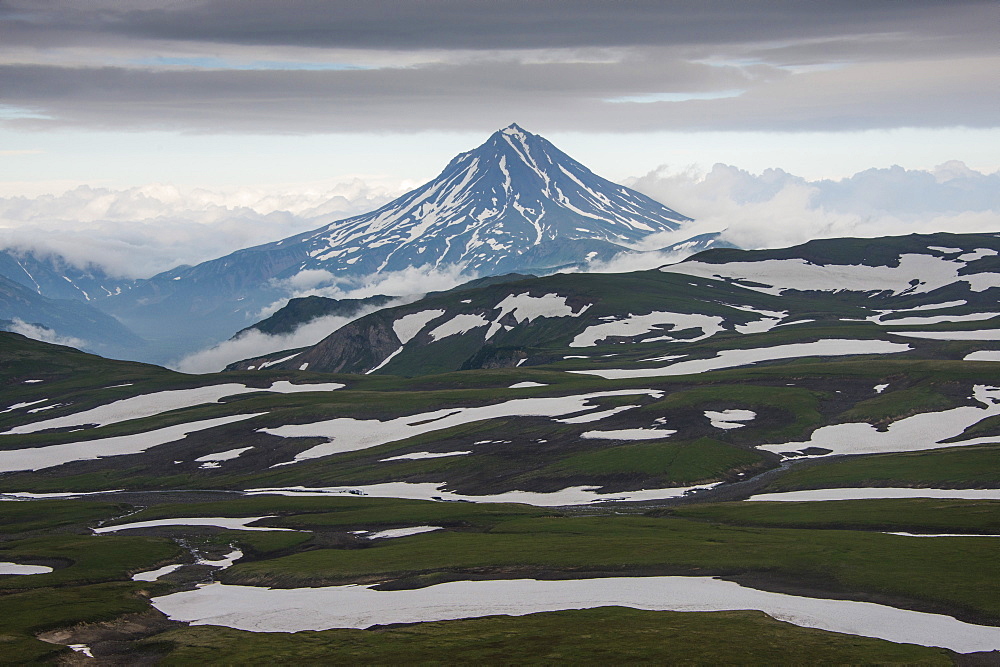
235,92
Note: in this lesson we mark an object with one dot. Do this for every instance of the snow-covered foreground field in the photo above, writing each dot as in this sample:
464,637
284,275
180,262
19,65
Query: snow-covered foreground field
293,610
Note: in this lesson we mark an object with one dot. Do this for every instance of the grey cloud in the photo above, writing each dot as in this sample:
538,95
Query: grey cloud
484,95
479,95
27,84
497,24
460,65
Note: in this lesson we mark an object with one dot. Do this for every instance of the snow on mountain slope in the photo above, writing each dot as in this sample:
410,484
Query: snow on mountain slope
869,288
489,207
69,321
827,267
914,274
55,277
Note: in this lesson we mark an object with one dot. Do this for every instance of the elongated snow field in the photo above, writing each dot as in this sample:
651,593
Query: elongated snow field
413,456
916,433
774,276
240,523
153,575
294,610
983,355
640,324
148,405
876,493
16,568
830,347
982,334
391,533
575,495
36,458
729,419
348,435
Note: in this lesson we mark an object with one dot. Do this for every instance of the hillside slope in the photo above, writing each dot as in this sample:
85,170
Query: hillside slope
720,299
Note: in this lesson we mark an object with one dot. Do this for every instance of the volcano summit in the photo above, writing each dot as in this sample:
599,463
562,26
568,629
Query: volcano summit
514,204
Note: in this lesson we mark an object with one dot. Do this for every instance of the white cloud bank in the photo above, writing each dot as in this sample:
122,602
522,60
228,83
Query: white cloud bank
255,343
405,282
776,209
322,283
44,334
141,231
138,232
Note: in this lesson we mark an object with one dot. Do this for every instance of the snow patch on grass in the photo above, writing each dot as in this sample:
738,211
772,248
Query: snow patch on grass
413,456
730,419
153,575
408,326
258,609
983,355
458,325
876,494
149,405
919,432
227,455
575,495
241,523
16,568
527,308
36,458
400,532
347,435
916,274
734,358
629,434
982,334
635,325
595,416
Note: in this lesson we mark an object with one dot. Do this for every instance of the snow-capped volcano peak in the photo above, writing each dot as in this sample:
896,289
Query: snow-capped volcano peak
514,202
514,130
